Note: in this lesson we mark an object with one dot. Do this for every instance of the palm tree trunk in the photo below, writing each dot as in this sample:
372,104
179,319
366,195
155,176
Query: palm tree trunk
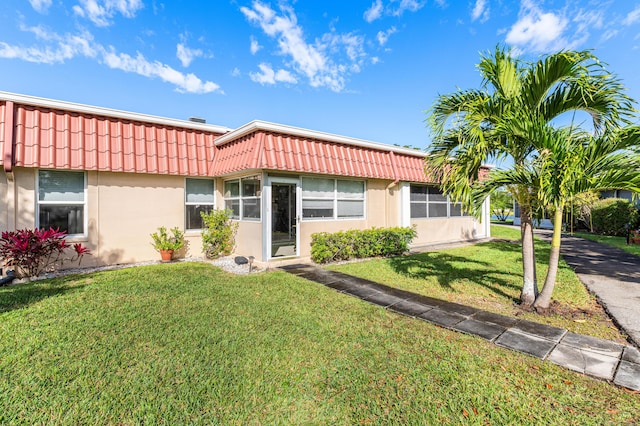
544,299
529,286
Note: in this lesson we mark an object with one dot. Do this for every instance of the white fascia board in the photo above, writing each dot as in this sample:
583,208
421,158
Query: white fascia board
258,125
107,112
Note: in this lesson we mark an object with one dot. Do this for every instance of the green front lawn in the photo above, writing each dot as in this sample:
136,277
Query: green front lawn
489,276
186,343
619,242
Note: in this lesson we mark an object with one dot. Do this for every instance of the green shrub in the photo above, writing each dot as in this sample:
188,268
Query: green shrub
345,245
218,234
611,215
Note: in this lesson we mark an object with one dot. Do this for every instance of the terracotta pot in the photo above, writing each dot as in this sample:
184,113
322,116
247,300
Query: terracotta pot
635,240
166,255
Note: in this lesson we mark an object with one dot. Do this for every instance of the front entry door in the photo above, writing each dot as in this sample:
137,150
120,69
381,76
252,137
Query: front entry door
284,226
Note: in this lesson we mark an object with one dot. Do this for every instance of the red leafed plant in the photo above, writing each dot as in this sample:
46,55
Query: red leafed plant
34,251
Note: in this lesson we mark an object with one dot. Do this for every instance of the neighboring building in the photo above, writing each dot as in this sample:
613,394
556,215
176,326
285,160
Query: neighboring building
111,178
544,223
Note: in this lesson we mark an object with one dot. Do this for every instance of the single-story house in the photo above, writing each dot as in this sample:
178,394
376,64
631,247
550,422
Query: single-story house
110,178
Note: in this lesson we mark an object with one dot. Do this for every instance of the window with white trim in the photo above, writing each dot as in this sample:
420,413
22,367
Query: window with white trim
199,197
324,198
61,201
429,202
243,197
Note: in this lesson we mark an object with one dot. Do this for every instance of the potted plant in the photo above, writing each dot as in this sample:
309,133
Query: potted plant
635,237
167,244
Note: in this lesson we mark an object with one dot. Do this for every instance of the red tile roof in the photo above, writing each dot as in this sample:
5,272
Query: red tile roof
260,145
49,137
41,133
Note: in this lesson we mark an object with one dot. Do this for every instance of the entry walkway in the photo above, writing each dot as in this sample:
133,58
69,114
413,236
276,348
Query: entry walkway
588,355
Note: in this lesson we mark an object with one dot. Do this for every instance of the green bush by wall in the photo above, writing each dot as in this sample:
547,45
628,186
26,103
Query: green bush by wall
610,215
331,247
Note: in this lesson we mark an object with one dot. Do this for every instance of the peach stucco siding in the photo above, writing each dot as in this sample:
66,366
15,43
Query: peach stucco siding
436,231
136,165
380,207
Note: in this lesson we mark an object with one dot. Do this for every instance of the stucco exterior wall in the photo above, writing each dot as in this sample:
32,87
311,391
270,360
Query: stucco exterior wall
380,212
434,231
123,209
249,239
4,201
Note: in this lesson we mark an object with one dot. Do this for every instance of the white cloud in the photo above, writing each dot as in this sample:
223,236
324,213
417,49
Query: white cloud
268,76
609,34
480,10
100,12
406,5
374,12
537,30
186,54
59,48
632,17
255,46
309,60
235,72
40,6
185,83
383,36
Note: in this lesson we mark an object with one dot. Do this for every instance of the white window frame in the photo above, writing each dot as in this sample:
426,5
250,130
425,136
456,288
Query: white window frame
83,203
187,203
241,198
429,202
335,199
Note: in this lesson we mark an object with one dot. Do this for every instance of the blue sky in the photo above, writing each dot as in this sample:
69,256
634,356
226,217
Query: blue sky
365,69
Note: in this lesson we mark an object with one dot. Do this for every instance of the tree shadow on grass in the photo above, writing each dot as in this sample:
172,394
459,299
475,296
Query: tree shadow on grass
18,296
447,268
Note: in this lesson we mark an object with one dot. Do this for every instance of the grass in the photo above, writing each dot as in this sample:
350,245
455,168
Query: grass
489,276
619,242
186,343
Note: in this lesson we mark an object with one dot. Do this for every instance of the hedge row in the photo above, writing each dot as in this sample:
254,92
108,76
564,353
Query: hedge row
614,216
345,245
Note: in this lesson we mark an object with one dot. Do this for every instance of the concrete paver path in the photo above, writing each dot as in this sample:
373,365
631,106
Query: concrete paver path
587,355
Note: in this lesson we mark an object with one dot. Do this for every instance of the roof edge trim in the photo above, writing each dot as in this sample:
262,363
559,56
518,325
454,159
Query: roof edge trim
108,112
258,125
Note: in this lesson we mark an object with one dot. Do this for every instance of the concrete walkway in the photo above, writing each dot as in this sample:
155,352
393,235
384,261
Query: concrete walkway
610,273
587,355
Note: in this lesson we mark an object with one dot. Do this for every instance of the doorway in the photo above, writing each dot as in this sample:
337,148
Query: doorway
284,220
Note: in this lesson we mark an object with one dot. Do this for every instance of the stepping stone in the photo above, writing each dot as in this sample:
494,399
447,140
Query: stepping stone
426,300
494,318
457,308
485,330
319,276
541,330
382,299
593,344
360,291
628,375
584,361
340,286
296,266
410,308
442,318
631,354
526,343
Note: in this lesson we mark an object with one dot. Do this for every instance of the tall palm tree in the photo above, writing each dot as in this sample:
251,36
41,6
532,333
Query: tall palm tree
473,126
568,163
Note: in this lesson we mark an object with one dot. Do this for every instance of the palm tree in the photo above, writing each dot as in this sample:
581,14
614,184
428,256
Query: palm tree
471,127
569,163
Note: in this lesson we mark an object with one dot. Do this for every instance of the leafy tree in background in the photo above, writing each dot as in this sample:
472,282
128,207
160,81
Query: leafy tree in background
473,126
501,205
